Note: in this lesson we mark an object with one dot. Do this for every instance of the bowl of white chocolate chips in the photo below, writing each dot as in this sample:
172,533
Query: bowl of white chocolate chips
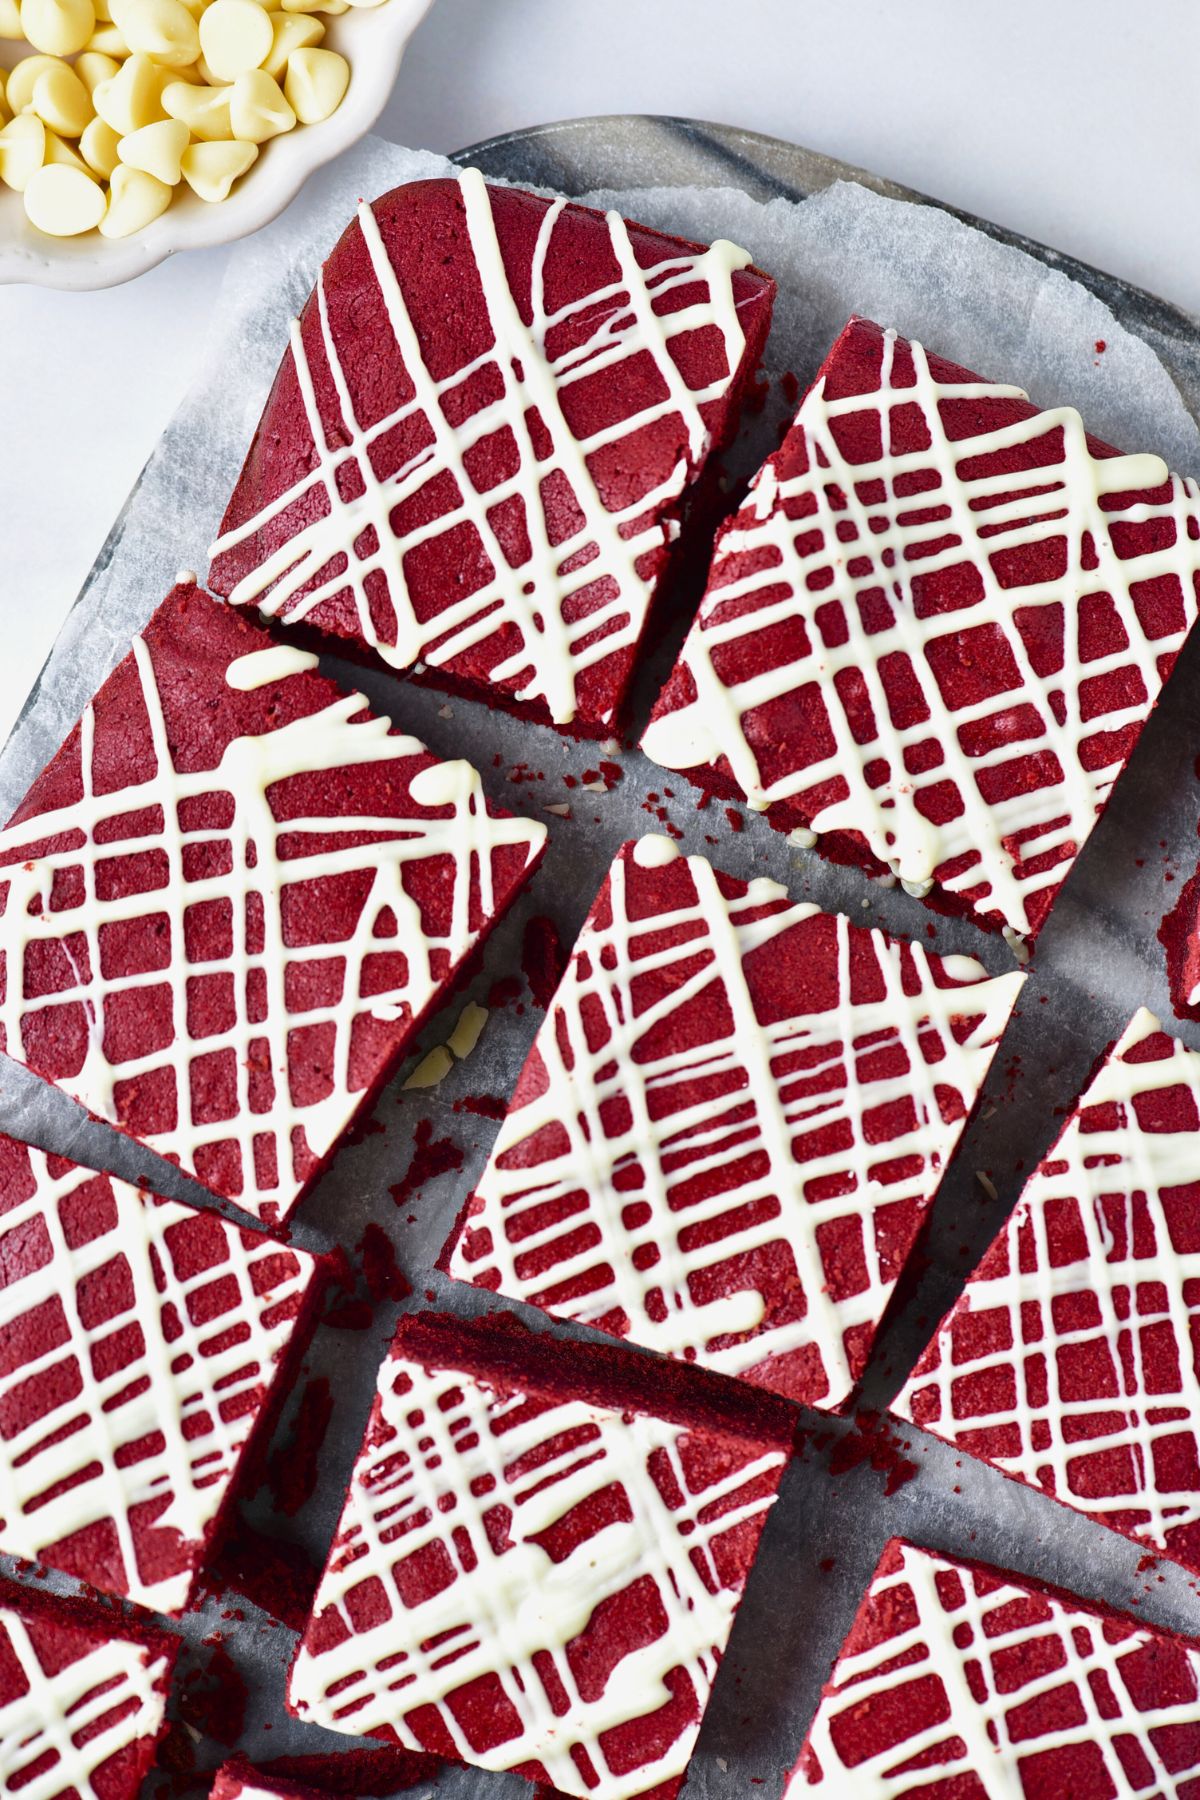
132,128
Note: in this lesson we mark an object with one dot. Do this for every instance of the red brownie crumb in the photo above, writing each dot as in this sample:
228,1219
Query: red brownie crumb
1039,1368
383,1770
691,1161
551,1537
82,1696
475,457
935,630
147,1348
962,1680
231,899
1179,935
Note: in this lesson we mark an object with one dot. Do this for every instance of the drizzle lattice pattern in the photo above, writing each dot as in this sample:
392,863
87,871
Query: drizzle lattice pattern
142,876
914,645
1070,1360
570,592
483,1534
1014,1691
692,1162
58,1736
140,1341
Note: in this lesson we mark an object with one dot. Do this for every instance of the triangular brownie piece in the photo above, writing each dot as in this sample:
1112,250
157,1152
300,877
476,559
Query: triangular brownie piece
145,1344
231,898
540,1558
935,630
475,456
1071,1359
731,1124
962,1681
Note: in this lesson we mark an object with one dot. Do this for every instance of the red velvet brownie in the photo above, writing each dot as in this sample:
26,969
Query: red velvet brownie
935,630
540,1557
239,1780
231,898
1071,1359
82,1696
1179,935
142,1345
731,1124
476,453
959,1681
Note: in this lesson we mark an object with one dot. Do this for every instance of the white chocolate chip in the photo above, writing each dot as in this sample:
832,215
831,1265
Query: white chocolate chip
315,84
210,170
60,27
290,32
22,149
106,40
98,147
135,200
257,108
432,1069
468,1030
65,155
93,68
133,97
163,29
22,79
204,110
61,101
235,36
63,202
10,19
4,114
156,149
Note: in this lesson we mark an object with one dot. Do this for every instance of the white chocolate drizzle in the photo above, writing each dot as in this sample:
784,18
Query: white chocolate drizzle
636,1097
446,1457
1106,1186
57,1736
859,536
60,852
1023,1675
562,630
149,1380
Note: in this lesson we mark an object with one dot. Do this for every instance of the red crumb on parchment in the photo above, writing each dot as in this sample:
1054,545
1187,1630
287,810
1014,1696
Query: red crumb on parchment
272,1573
382,1273
213,1699
542,959
431,1157
485,1106
294,1465
872,1440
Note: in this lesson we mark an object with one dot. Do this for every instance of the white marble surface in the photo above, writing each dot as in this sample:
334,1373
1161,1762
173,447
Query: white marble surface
1073,122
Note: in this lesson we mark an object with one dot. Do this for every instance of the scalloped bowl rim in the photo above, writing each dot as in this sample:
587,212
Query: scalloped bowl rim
372,39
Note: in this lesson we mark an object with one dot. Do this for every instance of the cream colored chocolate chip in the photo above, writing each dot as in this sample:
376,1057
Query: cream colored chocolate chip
315,84
135,200
22,149
163,29
61,101
10,19
98,147
92,68
204,110
257,108
22,78
291,32
210,170
4,113
60,27
133,97
106,40
63,202
59,151
156,149
235,36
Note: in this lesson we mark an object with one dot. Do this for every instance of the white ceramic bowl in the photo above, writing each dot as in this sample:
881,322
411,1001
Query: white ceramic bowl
373,41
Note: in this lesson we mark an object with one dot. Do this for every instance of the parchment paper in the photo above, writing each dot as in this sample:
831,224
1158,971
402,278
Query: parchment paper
984,304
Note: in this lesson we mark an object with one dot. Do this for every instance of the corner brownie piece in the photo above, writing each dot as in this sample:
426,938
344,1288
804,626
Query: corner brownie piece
540,1557
82,1697
935,630
731,1124
1071,1359
962,1680
475,456
232,897
143,1344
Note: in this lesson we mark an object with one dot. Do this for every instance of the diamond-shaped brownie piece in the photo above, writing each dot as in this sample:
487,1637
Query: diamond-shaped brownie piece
731,1124
143,1344
935,630
231,898
1071,1359
82,1697
540,1557
962,1680
477,451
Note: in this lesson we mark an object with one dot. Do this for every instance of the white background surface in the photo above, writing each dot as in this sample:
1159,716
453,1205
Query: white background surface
1072,120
